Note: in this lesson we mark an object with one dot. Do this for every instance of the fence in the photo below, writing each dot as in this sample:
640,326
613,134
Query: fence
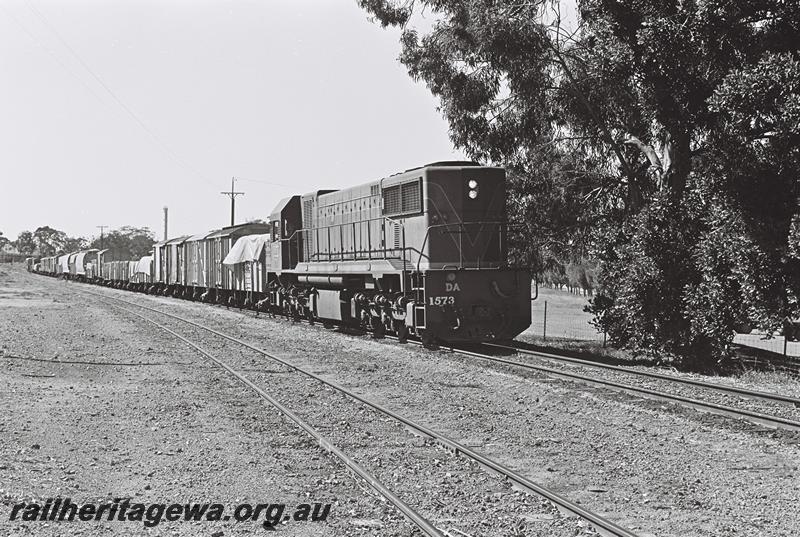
559,315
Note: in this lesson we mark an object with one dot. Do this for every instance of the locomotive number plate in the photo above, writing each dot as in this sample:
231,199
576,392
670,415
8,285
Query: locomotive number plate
441,300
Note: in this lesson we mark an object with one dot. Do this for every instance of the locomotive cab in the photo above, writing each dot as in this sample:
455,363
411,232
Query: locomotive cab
286,247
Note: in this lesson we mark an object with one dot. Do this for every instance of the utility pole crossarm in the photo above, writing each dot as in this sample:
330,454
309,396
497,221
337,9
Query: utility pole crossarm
232,194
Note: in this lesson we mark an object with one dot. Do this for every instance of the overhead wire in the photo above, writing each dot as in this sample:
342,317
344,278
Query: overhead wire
264,182
55,58
154,137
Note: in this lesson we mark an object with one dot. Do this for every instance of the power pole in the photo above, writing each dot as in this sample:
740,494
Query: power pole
232,195
101,235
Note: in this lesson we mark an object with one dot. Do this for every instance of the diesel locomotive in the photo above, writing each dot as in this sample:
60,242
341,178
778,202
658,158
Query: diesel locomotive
422,252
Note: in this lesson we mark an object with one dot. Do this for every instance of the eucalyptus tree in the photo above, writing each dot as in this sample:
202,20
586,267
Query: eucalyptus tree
661,134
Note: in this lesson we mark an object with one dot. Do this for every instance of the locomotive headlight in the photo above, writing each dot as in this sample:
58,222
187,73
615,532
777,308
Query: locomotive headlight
473,189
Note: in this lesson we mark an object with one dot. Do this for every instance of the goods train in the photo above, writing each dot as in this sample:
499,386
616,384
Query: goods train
422,252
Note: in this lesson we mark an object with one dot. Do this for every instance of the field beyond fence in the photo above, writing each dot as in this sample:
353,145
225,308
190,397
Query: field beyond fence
12,258
558,315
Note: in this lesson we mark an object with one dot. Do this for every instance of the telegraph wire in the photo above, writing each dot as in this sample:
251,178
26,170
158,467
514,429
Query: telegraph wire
264,182
36,41
171,154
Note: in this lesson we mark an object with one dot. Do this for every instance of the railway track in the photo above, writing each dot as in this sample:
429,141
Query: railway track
766,417
730,390
601,524
760,418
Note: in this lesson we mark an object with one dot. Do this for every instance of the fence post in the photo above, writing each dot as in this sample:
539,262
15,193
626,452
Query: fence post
544,326
785,342
604,339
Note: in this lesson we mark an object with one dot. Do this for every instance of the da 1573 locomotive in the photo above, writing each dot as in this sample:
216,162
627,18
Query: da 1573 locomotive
422,252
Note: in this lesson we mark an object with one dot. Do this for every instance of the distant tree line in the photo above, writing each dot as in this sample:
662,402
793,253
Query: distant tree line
126,242
658,138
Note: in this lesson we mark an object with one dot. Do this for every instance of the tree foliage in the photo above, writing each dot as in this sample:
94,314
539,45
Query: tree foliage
127,242
49,241
25,243
660,136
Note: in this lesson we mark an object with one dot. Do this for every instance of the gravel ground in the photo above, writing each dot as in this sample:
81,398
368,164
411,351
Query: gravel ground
165,428
447,490
657,471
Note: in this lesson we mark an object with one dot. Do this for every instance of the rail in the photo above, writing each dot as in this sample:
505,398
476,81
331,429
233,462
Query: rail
759,418
734,390
602,524
411,514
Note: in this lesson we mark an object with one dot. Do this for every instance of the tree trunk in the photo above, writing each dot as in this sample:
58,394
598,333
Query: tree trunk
677,162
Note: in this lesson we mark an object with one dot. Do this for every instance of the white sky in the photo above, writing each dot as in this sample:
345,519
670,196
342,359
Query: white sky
304,93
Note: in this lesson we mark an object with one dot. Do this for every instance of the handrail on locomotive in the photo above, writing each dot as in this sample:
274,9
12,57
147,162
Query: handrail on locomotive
401,252
317,256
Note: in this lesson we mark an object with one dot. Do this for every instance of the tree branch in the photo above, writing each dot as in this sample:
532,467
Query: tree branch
648,151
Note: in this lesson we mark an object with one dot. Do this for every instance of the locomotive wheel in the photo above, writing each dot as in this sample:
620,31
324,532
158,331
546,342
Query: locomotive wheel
402,332
429,340
378,330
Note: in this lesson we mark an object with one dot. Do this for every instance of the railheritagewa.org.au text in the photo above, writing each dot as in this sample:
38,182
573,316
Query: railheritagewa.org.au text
268,515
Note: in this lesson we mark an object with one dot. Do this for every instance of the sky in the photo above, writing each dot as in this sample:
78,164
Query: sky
111,110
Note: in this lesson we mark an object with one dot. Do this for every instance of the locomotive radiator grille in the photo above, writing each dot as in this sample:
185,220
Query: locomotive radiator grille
405,198
308,222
